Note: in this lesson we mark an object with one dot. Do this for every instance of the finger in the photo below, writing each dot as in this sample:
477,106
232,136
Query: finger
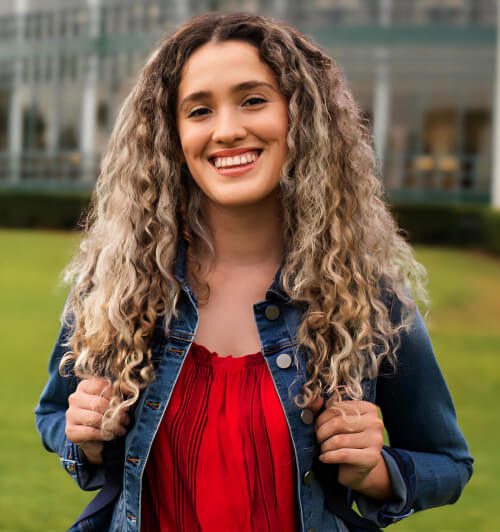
122,422
339,425
125,419
80,434
317,405
359,440
332,416
81,399
325,417
354,408
356,457
96,386
120,430
87,418
114,431
349,410
116,427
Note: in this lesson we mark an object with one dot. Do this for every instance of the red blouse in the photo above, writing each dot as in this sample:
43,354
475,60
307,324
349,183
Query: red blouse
222,459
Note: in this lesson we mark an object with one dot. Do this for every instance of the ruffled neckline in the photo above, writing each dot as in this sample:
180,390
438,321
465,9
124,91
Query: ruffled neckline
203,354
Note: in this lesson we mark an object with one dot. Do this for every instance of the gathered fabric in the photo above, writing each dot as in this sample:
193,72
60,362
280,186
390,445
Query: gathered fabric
222,459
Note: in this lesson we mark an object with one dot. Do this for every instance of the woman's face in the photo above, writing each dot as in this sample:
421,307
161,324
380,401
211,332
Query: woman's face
232,121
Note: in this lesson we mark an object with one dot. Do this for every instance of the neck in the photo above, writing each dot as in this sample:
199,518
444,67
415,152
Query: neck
246,236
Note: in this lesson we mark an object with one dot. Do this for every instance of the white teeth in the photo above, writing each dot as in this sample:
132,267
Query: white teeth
222,162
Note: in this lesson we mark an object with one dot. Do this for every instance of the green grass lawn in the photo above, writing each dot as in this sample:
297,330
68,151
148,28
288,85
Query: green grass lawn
37,495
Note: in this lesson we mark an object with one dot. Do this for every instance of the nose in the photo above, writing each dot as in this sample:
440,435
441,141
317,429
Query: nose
228,128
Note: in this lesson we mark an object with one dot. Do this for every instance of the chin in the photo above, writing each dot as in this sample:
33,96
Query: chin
240,196
238,202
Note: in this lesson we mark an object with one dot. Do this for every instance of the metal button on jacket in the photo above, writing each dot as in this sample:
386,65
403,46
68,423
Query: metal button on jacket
284,361
272,312
308,477
307,416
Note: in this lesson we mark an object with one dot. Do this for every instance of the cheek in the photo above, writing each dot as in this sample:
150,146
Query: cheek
280,127
274,132
192,141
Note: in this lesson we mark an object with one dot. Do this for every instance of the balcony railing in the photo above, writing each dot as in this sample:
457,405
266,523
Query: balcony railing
444,177
41,166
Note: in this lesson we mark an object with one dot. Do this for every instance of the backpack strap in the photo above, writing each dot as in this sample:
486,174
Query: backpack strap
113,458
337,497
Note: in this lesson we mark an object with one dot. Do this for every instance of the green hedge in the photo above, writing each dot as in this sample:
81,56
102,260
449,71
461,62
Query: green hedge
42,209
491,236
441,224
458,225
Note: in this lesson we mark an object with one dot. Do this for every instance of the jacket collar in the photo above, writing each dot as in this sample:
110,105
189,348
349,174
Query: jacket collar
276,287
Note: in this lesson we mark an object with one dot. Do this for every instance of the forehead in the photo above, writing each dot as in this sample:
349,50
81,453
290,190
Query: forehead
215,66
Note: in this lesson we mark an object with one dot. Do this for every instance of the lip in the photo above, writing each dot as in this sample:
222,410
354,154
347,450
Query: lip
233,151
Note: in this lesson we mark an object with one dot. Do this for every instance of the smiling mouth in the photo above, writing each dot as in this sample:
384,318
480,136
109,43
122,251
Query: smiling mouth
240,166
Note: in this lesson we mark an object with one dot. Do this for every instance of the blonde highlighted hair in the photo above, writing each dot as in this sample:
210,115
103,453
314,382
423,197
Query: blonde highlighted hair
343,247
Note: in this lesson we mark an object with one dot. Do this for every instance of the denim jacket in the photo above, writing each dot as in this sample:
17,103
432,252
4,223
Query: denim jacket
428,459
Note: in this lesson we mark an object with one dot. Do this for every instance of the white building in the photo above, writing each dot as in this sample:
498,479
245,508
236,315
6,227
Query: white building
423,71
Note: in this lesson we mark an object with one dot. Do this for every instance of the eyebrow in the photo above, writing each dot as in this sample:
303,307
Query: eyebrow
245,85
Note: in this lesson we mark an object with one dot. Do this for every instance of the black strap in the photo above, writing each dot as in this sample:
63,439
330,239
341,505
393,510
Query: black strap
336,498
113,458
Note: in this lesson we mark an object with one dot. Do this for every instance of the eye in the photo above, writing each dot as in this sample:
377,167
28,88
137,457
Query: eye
255,99
197,112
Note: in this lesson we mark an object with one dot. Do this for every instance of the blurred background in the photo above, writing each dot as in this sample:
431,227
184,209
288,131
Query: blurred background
423,71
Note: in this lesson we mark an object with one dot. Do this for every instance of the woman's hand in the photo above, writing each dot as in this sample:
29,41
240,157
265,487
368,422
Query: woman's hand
84,417
354,441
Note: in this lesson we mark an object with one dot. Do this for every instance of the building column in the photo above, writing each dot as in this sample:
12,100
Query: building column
55,113
280,8
89,98
17,96
381,103
182,11
495,185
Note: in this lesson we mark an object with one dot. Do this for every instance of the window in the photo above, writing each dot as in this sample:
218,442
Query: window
49,24
37,21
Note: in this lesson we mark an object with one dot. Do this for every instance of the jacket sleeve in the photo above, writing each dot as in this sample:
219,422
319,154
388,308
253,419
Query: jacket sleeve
50,416
427,448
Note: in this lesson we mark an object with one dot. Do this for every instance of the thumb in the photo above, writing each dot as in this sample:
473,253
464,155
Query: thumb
317,405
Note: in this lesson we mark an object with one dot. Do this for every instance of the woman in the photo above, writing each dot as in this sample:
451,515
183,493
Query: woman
241,302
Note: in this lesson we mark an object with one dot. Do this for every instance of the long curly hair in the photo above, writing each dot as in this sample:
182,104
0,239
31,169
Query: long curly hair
344,250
